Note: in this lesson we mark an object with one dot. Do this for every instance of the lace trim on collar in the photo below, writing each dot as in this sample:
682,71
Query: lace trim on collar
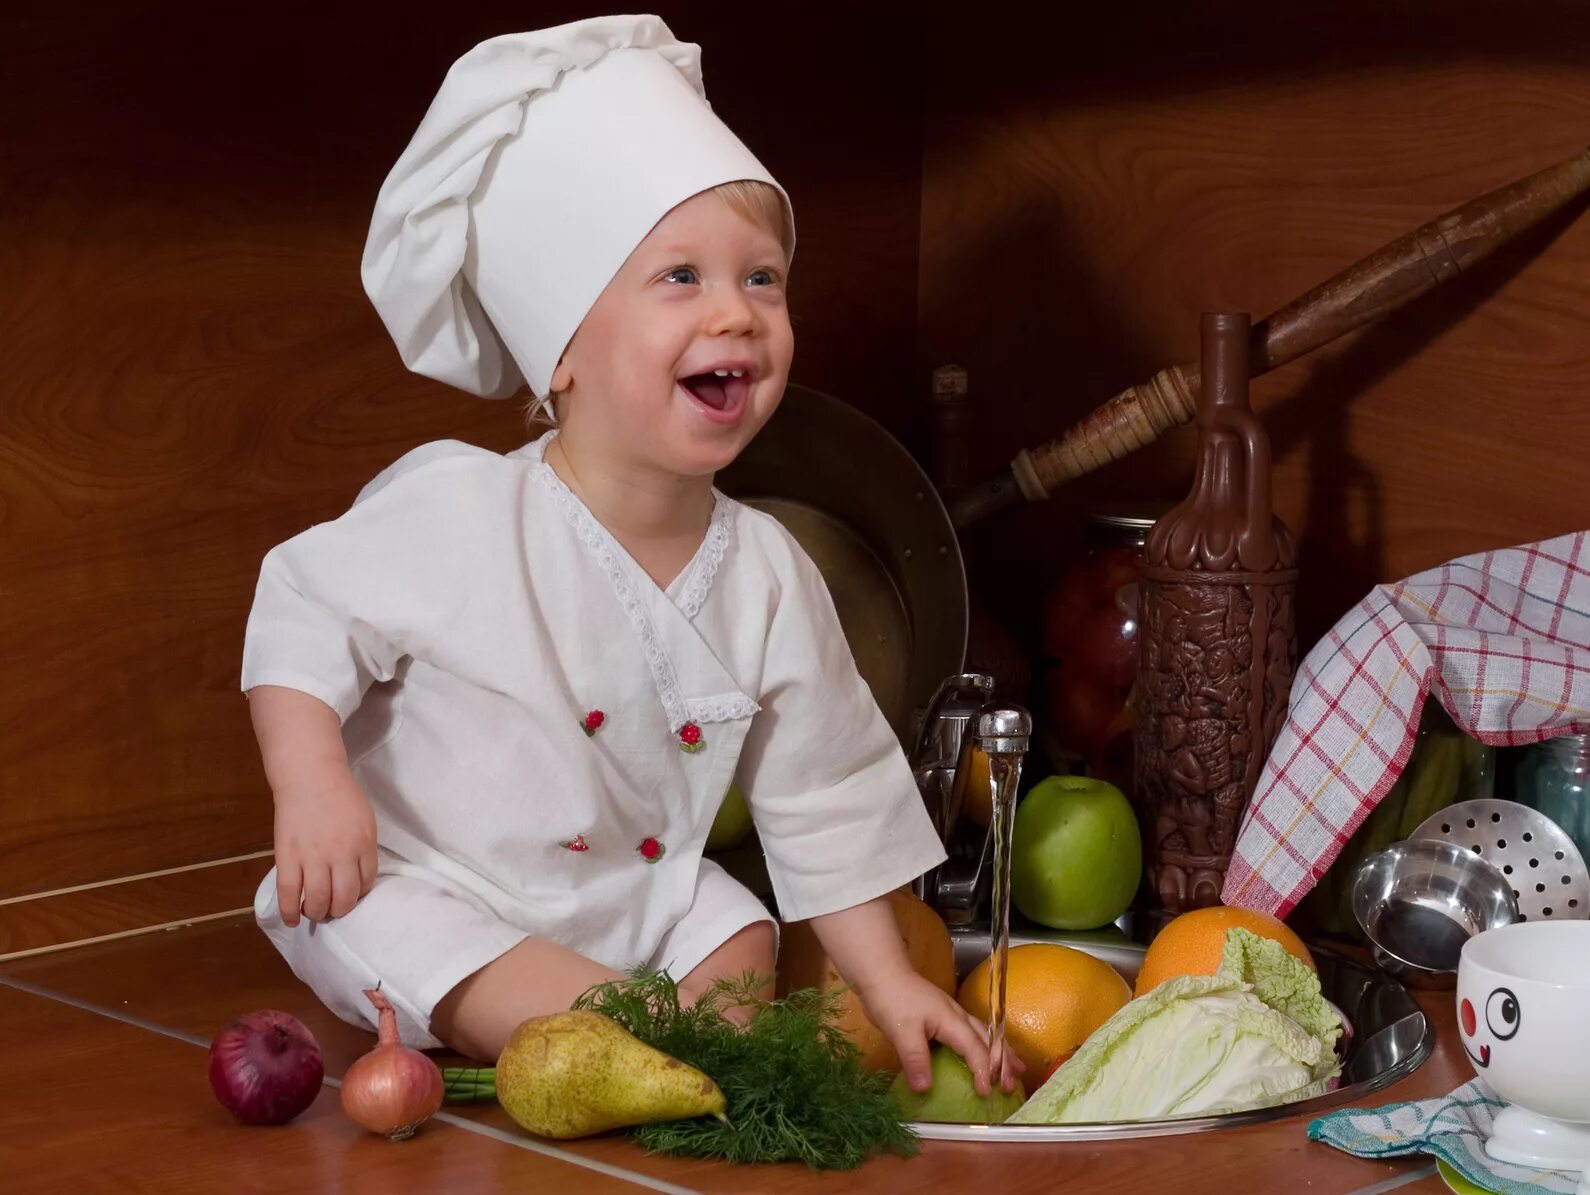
704,568
594,536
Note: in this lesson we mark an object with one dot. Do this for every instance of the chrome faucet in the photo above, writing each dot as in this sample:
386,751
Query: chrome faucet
940,761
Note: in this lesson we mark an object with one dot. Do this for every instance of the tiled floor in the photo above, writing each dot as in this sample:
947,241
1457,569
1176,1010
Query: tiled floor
104,1089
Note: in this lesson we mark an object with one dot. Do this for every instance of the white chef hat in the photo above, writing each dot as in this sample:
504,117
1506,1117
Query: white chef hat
543,161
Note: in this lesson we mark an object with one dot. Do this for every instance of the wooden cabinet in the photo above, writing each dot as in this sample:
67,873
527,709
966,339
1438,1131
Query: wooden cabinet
193,373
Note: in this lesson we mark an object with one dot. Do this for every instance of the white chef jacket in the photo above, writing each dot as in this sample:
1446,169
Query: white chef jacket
467,617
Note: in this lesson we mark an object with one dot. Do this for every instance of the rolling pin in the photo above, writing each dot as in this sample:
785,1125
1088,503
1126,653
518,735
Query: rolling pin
1386,280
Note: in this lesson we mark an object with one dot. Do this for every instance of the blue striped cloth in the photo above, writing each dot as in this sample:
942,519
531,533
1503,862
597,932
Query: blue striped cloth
1452,1128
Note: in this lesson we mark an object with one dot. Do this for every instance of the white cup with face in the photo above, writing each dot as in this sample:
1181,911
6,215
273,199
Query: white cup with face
1523,1002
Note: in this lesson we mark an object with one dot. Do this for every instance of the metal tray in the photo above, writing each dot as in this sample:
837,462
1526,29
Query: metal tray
1391,1038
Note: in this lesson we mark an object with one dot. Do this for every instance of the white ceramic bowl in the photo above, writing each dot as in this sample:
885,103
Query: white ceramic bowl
1523,1001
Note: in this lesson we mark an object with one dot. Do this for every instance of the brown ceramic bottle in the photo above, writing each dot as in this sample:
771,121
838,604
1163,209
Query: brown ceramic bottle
1217,642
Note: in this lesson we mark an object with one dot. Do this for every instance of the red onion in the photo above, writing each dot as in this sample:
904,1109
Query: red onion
392,1090
265,1067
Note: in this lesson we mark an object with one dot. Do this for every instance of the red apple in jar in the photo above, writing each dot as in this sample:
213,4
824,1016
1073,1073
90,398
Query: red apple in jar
1105,648
1069,602
1105,581
1112,569
1080,709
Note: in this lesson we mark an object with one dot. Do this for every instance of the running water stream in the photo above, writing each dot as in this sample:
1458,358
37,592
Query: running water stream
1003,733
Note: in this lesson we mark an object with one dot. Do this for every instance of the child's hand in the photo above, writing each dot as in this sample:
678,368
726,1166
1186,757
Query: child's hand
865,946
325,847
911,1011
325,827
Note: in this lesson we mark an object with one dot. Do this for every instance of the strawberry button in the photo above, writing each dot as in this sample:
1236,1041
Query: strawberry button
690,740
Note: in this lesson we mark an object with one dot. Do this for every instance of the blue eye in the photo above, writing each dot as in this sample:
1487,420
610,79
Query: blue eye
767,278
684,275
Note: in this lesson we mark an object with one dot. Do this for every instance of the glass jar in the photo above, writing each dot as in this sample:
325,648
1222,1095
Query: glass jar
1446,766
1090,644
1553,776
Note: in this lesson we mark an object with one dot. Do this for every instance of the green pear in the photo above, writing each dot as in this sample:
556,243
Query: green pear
732,823
573,1074
953,1096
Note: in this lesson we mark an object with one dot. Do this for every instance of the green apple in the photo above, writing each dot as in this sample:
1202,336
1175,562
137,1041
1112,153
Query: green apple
732,823
953,1096
1076,855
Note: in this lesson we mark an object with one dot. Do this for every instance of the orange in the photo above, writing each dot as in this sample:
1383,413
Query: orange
1193,943
977,799
1053,1065
1055,997
802,963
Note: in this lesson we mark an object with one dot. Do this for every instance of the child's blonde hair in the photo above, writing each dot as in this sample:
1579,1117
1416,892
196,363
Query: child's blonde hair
761,204
748,198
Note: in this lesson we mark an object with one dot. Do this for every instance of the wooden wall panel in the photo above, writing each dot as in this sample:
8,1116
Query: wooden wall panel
1121,170
193,373
44,922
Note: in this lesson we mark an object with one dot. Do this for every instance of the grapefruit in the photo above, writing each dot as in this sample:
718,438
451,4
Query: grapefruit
1193,943
802,963
1055,997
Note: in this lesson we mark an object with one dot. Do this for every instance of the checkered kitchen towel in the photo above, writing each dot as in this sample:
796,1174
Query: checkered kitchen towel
1503,641
1452,1128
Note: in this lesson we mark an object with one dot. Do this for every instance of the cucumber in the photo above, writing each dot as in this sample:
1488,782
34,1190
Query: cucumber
1331,902
1435,781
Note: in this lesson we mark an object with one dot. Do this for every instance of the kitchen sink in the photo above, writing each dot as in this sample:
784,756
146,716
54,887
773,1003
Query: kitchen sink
1390,1038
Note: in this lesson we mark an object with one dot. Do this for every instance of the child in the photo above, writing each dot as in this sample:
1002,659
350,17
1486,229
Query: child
500,700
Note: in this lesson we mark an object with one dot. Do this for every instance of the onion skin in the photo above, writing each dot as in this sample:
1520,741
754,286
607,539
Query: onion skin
392,1090
266,1067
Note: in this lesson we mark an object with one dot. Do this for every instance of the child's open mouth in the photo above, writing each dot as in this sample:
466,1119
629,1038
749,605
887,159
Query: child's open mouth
720,393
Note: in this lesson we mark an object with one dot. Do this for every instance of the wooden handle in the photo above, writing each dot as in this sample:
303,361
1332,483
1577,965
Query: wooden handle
1379,284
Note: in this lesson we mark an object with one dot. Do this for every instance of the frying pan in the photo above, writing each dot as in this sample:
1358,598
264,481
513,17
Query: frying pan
870,519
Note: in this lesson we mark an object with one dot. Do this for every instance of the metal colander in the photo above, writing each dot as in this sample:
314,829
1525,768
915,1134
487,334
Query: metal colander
1540,861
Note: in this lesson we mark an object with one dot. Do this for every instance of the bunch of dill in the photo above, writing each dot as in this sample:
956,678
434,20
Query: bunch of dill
792,1082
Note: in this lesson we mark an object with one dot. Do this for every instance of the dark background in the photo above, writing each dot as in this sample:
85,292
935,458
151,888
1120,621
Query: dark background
192,372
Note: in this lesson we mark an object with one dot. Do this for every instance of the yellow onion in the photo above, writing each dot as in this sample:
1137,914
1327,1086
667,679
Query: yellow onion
392,1090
